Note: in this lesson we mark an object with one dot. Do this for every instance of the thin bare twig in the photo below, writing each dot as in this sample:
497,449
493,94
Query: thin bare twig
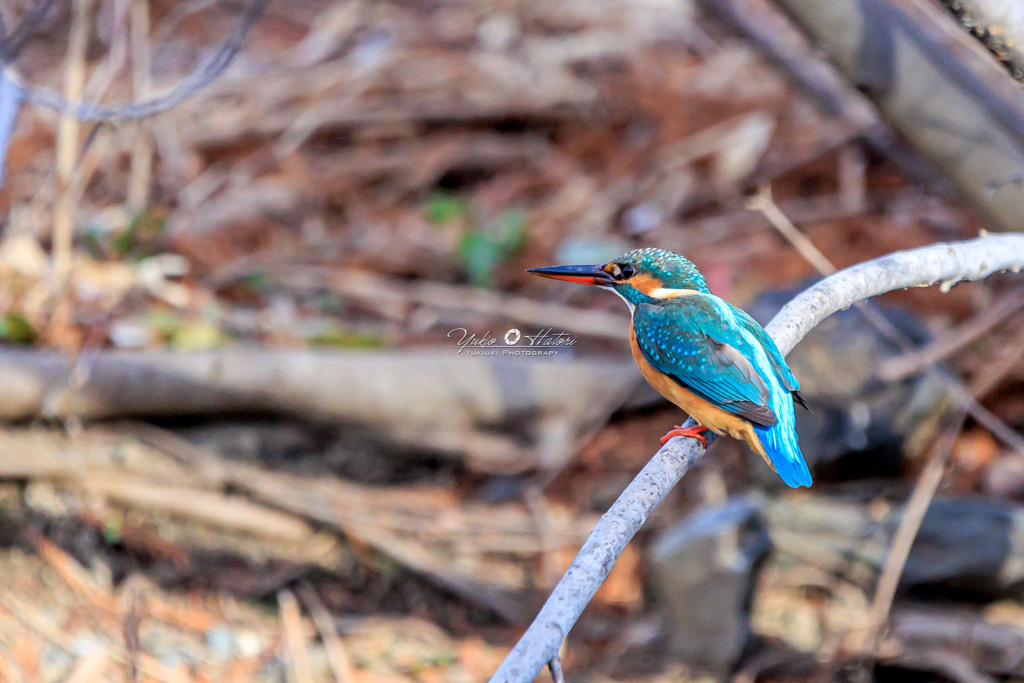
917,506
913,515
555,667
142,150
13,43
989,377
130,622
300,670
67,151
206,73
920,499
337,655
763,202
90,667
952,340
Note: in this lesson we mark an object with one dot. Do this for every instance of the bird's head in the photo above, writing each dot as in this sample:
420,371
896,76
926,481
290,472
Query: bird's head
639,276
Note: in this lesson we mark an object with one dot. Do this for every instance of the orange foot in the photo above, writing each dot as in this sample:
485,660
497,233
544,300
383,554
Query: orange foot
694,432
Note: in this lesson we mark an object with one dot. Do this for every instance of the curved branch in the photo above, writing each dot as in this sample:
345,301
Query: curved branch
204,74
946,263
12,44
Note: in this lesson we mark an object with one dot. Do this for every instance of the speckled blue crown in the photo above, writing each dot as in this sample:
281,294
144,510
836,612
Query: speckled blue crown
674,271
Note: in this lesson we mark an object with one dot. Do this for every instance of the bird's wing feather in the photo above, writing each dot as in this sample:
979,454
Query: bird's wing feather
691,340
782,370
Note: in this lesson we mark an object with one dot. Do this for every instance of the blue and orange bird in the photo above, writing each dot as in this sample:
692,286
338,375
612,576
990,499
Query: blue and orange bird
705,355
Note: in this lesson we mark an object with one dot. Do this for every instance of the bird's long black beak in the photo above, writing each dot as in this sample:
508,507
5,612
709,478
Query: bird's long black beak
586,275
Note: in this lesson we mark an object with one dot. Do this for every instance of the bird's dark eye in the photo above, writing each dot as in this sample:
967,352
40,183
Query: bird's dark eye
628,272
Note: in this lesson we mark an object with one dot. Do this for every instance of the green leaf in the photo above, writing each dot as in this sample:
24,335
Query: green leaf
112,529
344,339
93,240
165,323
124,242
479,254
254,282
15,328
510,229
197,336
481,251
140,236
445,209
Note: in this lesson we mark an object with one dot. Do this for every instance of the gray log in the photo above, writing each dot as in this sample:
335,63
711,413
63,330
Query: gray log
934,83
969,546
931,638
501,414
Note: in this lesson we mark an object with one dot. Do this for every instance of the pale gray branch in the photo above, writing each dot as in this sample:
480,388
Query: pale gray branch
945,263
999,24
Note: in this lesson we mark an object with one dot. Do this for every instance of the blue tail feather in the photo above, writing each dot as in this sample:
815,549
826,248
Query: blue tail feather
780,440
780,443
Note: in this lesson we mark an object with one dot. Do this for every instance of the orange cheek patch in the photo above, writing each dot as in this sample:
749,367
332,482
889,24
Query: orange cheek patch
645,284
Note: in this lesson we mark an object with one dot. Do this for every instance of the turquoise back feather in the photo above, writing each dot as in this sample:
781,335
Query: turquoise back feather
684,337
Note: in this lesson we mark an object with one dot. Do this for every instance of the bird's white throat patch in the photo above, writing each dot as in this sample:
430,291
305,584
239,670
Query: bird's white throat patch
669,293
628,302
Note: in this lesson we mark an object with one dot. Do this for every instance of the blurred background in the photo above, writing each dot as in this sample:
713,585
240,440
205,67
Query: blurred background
248,434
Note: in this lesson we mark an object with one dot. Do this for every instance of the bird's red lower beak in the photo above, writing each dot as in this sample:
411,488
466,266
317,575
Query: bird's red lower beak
585,275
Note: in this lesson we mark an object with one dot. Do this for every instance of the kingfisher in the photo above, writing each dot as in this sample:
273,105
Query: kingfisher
703,354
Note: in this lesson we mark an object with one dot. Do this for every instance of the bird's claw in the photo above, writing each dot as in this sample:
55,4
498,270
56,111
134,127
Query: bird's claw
694,432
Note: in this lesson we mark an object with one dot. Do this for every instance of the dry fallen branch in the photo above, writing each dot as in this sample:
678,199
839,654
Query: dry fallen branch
953,340
988,646
12,43
475,551
13,92
764,28
948,97
67,155
205,74
405,398
300,670
337,655
917,507
946,263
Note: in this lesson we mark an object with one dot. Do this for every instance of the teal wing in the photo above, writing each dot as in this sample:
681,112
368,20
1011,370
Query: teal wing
691,341
782,370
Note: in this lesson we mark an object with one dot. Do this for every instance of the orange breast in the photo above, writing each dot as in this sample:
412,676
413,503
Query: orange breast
706,413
